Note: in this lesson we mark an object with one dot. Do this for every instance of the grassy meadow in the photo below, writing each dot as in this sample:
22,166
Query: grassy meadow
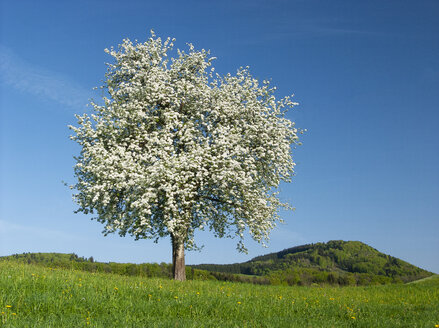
34,296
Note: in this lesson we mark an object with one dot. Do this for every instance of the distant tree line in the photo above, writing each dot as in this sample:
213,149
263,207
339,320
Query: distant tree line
74,262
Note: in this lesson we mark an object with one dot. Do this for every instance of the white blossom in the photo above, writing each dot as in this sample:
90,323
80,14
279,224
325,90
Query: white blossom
176,147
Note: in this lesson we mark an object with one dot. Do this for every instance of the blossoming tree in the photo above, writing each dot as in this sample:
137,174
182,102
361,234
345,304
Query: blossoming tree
175,147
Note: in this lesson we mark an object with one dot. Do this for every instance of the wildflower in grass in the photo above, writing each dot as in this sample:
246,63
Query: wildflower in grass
353,318
198,293
436,326
8,306
116,289
239,303
175,297
331,298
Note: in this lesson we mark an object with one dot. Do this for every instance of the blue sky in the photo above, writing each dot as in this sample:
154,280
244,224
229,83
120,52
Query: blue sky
366,75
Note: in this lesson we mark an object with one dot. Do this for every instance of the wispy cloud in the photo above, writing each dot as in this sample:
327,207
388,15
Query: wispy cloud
40,82
315,32
309,29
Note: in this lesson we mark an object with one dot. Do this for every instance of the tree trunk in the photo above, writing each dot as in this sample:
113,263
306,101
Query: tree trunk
178,265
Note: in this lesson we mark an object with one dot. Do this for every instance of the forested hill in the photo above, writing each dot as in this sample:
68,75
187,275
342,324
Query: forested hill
337,261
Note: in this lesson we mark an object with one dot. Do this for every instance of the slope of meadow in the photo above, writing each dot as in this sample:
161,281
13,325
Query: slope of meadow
337,263
34,296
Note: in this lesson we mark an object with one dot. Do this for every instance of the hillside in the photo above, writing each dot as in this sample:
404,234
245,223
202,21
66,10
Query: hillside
75,262
335,262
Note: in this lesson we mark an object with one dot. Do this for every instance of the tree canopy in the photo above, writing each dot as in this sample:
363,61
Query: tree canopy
175,147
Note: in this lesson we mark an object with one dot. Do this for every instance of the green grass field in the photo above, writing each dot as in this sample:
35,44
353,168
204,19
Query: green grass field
33,296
